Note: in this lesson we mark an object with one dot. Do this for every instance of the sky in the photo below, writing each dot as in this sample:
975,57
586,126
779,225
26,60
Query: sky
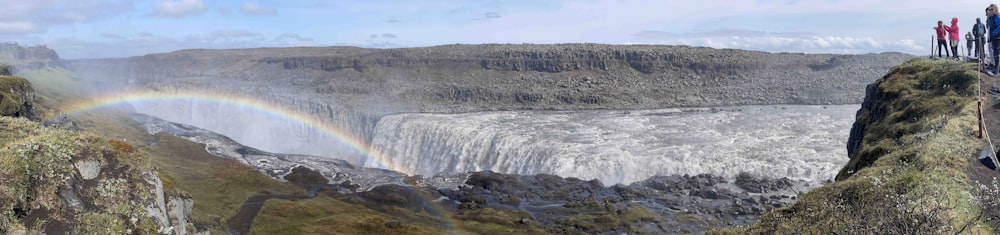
120,28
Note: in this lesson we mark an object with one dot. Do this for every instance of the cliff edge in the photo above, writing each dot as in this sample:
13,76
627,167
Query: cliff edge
911,148
16,95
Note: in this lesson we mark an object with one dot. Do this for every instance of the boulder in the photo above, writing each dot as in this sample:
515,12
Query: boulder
89,169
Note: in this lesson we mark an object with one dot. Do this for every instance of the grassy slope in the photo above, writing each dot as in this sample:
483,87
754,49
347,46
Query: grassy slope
908,176
218,185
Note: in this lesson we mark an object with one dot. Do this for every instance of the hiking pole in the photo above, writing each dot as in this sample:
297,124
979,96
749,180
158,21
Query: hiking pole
932,46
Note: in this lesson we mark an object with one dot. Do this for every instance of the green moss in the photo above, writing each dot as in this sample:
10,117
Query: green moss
603,221
100,224
323,215
6,70
913,98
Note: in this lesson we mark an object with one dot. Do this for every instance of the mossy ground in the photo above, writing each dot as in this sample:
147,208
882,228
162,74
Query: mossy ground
36,165
908,176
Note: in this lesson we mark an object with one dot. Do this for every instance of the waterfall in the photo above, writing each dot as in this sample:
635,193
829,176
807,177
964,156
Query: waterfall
799,142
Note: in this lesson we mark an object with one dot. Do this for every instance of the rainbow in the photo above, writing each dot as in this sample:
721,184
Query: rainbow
257,105
131,97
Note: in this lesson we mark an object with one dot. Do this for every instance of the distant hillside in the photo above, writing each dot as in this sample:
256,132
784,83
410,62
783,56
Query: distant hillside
913,156
500,76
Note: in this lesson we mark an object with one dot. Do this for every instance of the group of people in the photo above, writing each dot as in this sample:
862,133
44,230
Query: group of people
948,36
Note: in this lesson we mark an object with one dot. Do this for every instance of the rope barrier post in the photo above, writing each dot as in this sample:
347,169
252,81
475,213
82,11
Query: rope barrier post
983,132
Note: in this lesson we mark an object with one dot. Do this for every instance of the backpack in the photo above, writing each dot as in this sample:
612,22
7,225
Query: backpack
979,30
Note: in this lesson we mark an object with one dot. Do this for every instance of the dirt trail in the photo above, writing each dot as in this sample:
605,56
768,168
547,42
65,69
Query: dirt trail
979,170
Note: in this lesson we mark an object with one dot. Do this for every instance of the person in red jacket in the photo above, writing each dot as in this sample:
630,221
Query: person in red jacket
942,38
953,36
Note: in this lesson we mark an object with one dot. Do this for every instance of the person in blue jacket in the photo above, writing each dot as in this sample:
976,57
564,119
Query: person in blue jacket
979,36
992,21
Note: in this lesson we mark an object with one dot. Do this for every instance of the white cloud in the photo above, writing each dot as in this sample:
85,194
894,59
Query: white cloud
814,44
178,8
292,36
257,10
226,35
30,17
19,27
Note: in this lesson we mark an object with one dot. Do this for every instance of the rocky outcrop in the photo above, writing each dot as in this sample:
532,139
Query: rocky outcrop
16,97
56,182
172,214
907,101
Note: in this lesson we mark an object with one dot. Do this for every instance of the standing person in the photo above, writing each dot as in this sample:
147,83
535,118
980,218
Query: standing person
953,36
991,23
979,33
968,44
942,38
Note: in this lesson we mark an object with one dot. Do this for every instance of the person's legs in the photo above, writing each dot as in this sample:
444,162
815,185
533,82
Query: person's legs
954,48
995,53
987,46
980,50
942,47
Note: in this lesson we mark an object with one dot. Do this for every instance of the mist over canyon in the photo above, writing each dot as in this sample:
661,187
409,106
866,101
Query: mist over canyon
615,113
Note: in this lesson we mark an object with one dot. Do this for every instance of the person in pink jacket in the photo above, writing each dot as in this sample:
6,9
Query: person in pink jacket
953,36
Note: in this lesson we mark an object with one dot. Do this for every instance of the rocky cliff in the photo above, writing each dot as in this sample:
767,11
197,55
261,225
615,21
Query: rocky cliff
913,167
498,76
16,96
35,57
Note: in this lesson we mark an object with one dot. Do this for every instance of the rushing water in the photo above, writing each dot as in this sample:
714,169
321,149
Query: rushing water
799,142
795,141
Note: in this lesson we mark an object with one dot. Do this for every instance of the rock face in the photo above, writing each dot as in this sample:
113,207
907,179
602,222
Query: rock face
171,214
35,57
872,96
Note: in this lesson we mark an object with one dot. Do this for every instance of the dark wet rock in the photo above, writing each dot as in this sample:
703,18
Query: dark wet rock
696,203
757,185
305,177
393,224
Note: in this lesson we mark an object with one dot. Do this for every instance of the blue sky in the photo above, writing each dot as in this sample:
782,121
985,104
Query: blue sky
117,28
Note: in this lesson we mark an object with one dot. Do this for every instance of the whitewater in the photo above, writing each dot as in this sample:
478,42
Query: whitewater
801,142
